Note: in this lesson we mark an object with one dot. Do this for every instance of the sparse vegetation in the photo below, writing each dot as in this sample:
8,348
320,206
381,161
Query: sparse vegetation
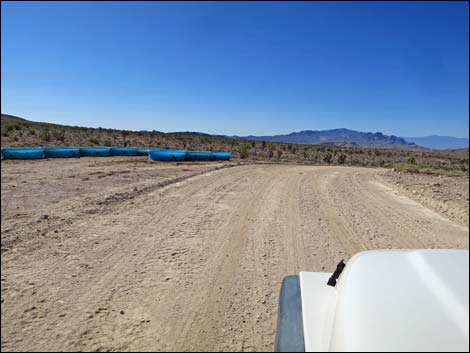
342,158
59,135
327,158
410,161
45,134
244,149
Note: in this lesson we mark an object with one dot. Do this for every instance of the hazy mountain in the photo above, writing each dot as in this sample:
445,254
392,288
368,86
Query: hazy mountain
439,142
12,118
335,137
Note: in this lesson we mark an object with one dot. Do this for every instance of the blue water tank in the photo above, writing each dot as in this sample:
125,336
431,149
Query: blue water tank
198,156
143,151
61,152
95,151
22,153
167,155
221,156
124,151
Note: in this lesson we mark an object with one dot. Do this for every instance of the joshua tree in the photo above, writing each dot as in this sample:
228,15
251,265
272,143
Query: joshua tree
328,157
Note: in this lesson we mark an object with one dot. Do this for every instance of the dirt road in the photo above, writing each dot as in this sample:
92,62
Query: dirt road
197,265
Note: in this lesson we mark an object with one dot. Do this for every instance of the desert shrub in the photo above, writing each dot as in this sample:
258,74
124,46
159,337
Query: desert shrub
45,134
270,153
411,160
243,151
9,127
279,154
59,135
32,132
341,158
263,145
407,168
327,157
93,141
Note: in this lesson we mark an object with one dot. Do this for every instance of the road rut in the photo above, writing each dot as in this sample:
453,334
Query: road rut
197,265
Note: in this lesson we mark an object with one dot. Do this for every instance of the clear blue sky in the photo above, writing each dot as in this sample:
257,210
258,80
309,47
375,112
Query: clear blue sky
239,68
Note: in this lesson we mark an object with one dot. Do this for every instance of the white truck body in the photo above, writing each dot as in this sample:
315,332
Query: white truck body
390,300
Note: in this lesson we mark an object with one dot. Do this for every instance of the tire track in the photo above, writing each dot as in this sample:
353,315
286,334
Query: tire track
197,265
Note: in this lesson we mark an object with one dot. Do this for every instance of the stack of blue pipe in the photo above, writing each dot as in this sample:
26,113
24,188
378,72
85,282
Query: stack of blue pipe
188,156
164,155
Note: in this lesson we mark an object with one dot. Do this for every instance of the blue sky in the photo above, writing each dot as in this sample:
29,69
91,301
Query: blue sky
239,68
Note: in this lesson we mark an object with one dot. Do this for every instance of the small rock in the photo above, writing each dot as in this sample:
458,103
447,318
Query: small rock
121,312
45,216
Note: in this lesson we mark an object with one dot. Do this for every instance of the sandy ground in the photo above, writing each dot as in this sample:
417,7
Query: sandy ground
116,254
443,194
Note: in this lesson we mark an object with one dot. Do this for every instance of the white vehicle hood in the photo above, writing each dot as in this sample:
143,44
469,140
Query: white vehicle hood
416,300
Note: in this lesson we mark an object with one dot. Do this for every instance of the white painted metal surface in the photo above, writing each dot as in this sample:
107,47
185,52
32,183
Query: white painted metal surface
411,300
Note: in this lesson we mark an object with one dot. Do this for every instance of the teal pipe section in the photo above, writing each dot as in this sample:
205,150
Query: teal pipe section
167,155
95,151
164,155
23,153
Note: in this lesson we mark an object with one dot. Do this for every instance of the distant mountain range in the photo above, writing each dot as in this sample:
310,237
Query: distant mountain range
349,138
342,137
439,142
